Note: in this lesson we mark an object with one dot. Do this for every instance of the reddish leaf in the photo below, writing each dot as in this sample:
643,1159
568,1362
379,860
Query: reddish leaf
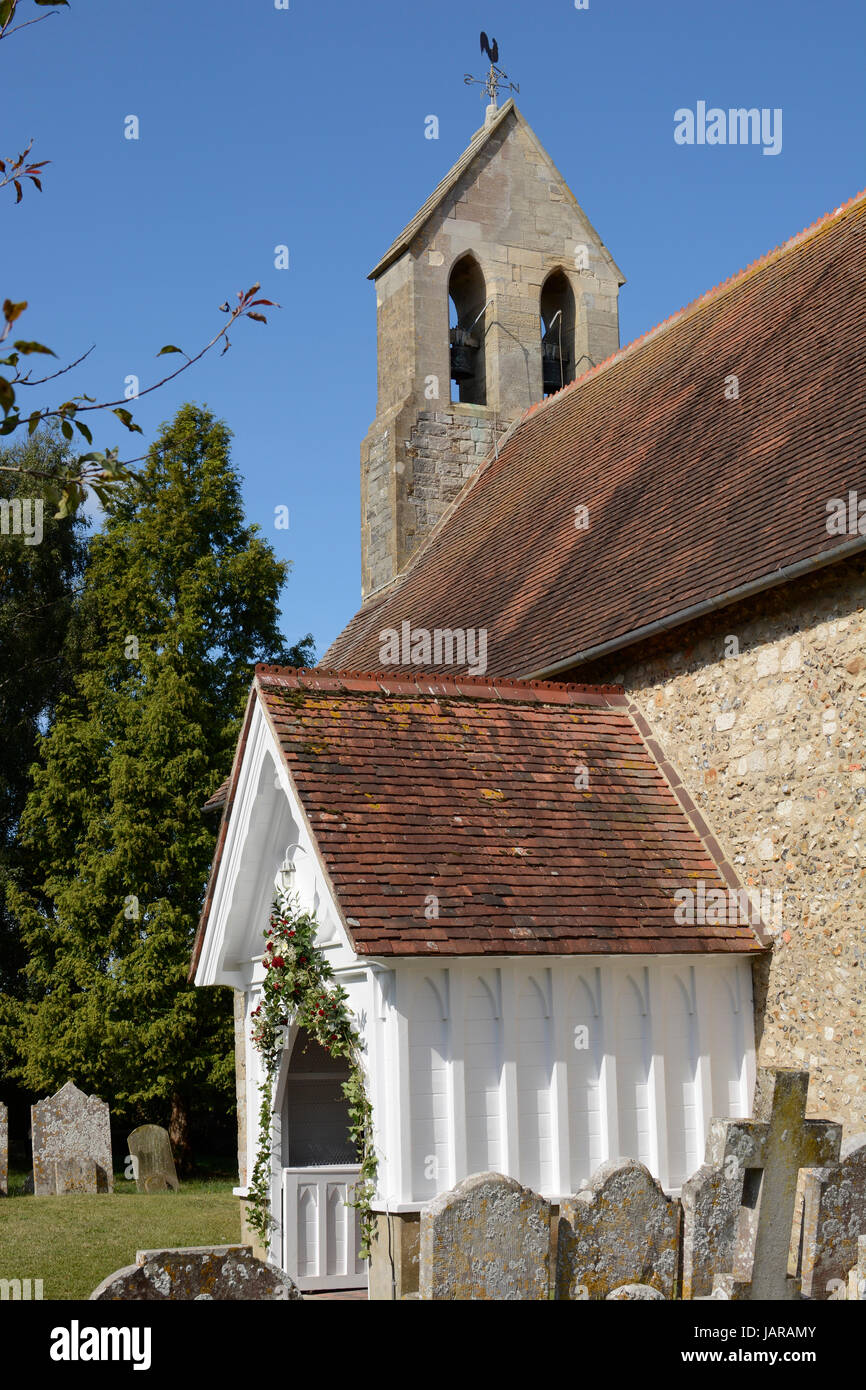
18,190
259,318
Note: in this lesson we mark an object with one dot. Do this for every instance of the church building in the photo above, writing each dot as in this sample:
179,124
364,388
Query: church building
578,796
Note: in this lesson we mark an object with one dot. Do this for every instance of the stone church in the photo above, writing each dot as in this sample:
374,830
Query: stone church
579,794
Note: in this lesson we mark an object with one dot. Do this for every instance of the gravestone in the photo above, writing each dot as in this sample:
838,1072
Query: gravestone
201,1273
857,1276
711,1200
71,1126
635,1293
74,1175
150,1146
831,1216
772,1148
621,1229
488,1238
4,1150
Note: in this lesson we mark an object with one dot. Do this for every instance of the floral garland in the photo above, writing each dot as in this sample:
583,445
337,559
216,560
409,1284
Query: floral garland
299,987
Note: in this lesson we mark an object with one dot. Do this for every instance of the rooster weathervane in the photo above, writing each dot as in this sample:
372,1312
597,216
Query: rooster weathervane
495,78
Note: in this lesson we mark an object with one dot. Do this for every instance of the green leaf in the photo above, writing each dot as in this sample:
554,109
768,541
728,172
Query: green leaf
126,417
66,429
170,347
33,423
7,395
84,430
52,2
9,424
27,348
6,9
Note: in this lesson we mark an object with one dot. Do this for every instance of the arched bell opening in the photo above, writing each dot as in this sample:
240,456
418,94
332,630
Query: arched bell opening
467,303
315,1110
558,315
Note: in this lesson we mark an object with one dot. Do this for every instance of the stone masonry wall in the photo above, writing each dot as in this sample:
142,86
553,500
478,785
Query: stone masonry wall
771,744
446,447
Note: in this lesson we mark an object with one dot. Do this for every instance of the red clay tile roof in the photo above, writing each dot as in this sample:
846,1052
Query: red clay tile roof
217,799
691,496
465,790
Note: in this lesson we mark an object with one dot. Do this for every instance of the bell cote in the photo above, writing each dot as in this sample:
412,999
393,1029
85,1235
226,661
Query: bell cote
497,293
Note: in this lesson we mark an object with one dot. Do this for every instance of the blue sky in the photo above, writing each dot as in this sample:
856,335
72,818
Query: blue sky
305,127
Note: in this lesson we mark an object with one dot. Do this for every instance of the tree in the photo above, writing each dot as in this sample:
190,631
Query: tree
180,598
99,471
40,573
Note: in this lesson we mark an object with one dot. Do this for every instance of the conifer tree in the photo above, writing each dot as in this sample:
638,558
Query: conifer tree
180,599
41,565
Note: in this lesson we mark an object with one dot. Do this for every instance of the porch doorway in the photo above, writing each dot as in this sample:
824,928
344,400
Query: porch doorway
320,1231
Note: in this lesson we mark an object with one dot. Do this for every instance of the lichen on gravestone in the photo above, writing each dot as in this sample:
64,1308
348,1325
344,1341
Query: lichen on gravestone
150,1147
621,1229
70,1127
486,1239
214,1273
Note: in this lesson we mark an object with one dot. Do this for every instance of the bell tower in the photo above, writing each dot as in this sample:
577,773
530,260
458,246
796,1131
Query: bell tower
498,292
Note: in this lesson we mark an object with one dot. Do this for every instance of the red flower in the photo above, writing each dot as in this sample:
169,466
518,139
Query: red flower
270,946
278,962
277,985
266,964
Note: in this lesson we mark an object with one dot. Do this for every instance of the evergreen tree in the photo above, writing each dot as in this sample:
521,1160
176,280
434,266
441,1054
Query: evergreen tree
39,576
180,599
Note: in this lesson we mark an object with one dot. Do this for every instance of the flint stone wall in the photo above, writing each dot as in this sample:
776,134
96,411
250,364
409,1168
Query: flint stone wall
770,746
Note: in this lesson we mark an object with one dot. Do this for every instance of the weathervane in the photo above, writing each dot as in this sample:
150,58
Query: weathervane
496,78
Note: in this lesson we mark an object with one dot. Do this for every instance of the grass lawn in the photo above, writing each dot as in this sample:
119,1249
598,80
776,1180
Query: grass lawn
71,1243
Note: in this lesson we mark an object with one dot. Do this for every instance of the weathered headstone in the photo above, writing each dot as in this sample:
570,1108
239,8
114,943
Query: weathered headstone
488,1238
75,1175
635,1293
857,1276
711,1200
772,1148
150,1147
621,1229
831,1215
71,1126
203,1273
4,1150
